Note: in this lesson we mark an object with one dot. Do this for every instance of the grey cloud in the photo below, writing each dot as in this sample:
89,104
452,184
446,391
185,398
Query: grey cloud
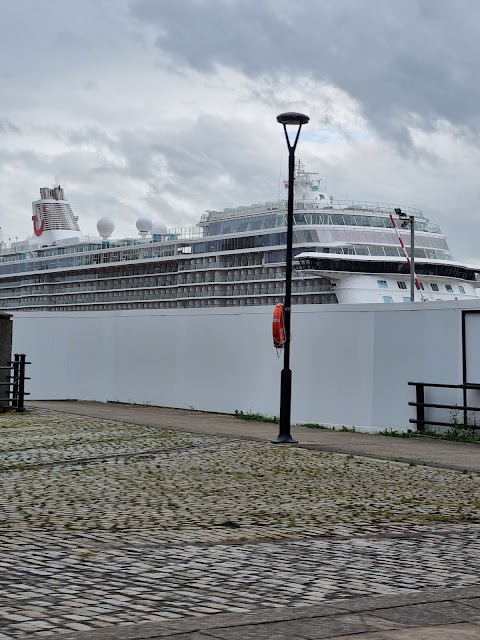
44,44
90,86
7,126
208,161
418,57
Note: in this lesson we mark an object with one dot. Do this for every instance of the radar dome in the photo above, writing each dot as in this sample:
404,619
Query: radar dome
159,228
144,225
105,227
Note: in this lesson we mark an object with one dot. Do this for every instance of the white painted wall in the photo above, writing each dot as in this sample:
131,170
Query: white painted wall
350,363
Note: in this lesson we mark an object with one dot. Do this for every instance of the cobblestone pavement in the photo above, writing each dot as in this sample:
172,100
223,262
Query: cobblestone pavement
103,523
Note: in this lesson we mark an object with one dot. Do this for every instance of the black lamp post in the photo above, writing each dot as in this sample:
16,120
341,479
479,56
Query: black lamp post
284,436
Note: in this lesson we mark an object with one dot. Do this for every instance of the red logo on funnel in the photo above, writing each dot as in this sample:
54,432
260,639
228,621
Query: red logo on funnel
38,231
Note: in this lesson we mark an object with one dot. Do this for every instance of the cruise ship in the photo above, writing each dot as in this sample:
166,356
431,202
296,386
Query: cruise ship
343,251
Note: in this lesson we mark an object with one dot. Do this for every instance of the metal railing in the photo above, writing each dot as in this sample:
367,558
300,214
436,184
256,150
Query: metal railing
309,203
421,405
15,383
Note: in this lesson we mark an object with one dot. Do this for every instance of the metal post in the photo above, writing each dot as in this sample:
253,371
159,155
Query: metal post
15,378
284,436
420,398
412,258
21,384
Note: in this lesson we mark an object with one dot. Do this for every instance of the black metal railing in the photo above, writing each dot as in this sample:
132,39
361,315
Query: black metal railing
421,405
14,385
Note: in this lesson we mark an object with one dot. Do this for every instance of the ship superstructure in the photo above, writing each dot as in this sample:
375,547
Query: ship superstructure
344,251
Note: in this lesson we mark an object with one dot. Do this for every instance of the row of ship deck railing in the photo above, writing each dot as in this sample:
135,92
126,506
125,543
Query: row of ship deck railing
317,205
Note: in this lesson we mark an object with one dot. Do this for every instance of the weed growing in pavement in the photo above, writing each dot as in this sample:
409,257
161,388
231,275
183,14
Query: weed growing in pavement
458,433
396,433
461,431
314,425
255,416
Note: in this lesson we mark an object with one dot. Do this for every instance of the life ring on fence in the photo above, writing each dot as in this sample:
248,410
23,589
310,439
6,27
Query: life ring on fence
278,326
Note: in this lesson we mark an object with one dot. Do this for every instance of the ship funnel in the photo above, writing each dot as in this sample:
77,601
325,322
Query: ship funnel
53,217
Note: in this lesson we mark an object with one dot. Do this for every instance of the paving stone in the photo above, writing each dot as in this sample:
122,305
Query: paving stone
32,625
76,618
78,626
190,636
15,617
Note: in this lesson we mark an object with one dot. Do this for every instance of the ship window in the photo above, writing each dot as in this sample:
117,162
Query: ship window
461,289
434,286
391,251
402,285
361,251
407,299
448,287
421,286
387,299
382,284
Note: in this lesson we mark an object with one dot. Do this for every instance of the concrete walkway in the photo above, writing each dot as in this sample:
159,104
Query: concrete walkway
425,451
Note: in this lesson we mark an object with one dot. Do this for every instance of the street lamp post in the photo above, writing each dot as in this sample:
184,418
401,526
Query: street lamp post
284,436
410,220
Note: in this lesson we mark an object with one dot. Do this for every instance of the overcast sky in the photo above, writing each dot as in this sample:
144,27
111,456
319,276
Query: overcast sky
166,108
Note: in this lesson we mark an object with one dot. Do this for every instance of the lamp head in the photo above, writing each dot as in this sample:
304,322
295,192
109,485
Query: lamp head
292,118
401,214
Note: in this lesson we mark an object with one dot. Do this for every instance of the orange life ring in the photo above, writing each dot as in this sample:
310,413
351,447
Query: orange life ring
278,326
